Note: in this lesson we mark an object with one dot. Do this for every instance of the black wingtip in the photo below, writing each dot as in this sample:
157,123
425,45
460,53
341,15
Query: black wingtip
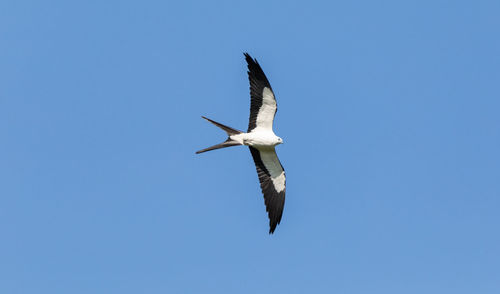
255,72
250,60
273,223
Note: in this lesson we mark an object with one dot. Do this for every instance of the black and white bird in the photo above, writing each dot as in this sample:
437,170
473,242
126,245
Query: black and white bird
261,140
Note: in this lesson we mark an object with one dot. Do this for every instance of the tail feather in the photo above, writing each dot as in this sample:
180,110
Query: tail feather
230,131
228,143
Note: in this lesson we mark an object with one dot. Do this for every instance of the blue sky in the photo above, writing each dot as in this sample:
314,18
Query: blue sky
389,111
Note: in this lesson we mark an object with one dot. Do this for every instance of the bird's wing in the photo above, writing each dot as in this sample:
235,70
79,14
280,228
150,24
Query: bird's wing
272,182
262,102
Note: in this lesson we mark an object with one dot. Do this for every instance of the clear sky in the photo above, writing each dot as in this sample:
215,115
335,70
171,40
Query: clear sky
390,113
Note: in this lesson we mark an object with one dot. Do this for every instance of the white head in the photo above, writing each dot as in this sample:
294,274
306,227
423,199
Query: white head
280,141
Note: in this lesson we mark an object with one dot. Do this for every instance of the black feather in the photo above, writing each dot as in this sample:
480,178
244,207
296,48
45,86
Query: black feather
258,81
274,200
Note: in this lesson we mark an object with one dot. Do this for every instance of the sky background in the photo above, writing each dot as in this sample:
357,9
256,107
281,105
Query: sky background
390,113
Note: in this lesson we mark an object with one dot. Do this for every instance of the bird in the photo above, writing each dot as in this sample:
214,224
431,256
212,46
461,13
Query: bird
261,140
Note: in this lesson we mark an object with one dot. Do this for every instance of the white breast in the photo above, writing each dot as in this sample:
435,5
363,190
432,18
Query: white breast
258,137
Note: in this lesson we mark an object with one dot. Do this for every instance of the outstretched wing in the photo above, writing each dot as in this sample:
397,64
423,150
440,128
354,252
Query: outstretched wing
272,182
262,102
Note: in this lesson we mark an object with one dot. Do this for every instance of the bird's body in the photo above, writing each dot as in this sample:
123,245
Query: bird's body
258,139
261,140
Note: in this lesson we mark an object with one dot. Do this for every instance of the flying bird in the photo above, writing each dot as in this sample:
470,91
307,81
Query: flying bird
261,140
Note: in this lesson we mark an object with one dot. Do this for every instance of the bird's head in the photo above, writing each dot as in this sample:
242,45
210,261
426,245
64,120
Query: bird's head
280,141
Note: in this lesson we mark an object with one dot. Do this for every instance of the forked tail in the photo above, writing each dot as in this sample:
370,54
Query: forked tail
228,143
